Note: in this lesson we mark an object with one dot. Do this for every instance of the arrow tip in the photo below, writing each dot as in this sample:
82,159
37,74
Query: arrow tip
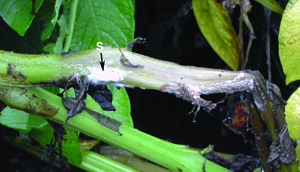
102,65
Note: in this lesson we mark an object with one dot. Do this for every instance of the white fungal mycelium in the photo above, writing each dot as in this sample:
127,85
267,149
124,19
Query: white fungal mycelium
98,76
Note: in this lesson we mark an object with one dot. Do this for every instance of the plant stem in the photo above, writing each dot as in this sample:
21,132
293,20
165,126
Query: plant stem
261,141
18,71
90,161
172,156
267,100
155,74
71,25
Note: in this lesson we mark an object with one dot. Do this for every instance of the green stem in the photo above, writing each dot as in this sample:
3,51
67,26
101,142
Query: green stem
156,74
172,156
91,161
71,25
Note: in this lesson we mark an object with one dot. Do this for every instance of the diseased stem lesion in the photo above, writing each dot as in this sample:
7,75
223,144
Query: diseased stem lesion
267,98
186,82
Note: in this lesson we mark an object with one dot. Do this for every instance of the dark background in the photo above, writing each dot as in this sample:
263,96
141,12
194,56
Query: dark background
172,36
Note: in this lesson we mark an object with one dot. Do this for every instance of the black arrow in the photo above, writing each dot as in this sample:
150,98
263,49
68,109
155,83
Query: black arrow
102,62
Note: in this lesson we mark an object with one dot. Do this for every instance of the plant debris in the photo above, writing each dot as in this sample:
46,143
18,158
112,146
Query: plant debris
238,162
77,105
12,70
102,95
54,151
282,150
124,61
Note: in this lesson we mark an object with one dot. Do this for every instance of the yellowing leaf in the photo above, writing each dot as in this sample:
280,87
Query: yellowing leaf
216,27
292,117
272,5
289,41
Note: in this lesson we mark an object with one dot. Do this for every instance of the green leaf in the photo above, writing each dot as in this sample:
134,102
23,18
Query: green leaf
50,23
39,129
16,13
122,104
120,101
107,21
49,48
272,5
215,25
289,41
292,117
57,47
72,150
21,121
30,43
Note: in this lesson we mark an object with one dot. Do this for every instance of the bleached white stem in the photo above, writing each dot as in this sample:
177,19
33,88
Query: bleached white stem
187,82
